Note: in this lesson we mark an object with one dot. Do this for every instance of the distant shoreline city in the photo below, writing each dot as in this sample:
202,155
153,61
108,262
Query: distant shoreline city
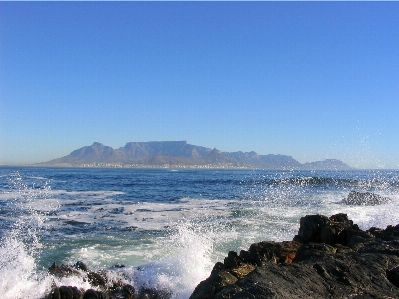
182,155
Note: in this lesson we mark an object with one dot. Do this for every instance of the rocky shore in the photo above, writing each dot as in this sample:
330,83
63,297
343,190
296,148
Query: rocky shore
329,258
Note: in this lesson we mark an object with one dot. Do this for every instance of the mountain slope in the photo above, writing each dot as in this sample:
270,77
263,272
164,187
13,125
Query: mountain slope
329,164
182,153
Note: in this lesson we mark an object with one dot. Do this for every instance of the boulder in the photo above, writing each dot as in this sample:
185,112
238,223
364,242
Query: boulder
110,289
93,294
337,229
63,270
151,293
364,199
65,292
96,279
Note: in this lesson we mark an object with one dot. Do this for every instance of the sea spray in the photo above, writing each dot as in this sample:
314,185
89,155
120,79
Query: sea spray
188,259
20,246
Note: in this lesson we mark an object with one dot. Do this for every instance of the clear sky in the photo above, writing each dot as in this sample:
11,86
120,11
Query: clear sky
313,80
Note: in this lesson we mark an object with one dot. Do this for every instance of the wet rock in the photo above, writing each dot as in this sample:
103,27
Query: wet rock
125,292
63,270
96,279
364,198
65,292
112,288
81,266
93,294
119,266
332,258
150,293
213,284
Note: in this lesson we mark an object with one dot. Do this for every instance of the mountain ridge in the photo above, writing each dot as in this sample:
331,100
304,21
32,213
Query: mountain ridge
181,153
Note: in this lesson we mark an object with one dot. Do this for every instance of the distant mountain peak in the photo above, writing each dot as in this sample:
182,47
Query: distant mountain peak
182,153
97,145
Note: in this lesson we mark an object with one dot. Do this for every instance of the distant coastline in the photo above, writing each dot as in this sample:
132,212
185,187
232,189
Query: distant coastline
138,166
182,155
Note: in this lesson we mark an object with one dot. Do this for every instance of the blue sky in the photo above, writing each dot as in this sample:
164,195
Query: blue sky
313,80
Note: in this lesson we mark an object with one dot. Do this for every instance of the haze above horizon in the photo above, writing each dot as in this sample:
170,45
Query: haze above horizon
312,80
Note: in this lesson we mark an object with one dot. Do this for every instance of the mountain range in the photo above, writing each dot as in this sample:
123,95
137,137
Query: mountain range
161,153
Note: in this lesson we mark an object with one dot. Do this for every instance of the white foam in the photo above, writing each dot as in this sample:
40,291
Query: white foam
189,261
20,246
18,274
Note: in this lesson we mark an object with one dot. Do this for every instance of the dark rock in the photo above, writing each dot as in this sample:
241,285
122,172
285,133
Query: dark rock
343,249
389,234
65,292
113,288
393,276
310,228
123,292
147,293
366,198
204,290
81,266
128,291
334,259
119,266
328,278
313,250
334,230
228,292
357,239
379,246
96,279
213,284
93,294
232,260
63,271
278,252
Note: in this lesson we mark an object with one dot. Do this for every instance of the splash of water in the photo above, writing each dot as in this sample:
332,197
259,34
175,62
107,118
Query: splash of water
20,246
188,252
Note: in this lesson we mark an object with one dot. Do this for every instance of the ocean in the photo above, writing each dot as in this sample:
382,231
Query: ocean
162,228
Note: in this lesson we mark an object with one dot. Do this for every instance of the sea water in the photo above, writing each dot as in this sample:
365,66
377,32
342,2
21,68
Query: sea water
167,227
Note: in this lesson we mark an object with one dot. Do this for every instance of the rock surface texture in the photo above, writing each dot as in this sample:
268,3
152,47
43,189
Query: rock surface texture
105,288
329,258
365,199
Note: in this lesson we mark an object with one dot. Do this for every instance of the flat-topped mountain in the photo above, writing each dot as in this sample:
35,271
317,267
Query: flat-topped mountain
182,153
